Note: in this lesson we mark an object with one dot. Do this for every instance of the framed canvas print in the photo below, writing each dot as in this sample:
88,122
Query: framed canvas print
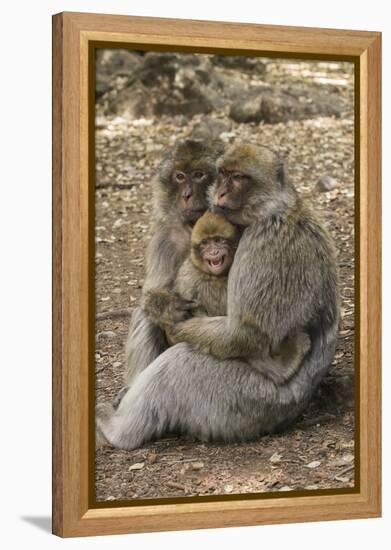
216,234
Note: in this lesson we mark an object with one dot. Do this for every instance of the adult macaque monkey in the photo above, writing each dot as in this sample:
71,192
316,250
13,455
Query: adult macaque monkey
283,281
180,198
202,280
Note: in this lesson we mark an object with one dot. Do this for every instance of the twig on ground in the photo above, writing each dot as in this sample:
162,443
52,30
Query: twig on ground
346,470
175,485
114,185
115,314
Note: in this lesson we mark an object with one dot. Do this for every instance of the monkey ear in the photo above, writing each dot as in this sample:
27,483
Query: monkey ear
281,172
165,169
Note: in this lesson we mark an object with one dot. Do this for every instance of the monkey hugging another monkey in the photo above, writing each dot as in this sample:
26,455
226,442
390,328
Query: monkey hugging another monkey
245,371
202,283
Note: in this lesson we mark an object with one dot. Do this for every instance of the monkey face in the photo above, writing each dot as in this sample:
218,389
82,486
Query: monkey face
216,255
250,184
213,243
186,173
230,192
191,190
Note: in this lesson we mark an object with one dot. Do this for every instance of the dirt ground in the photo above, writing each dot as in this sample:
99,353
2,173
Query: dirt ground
318,451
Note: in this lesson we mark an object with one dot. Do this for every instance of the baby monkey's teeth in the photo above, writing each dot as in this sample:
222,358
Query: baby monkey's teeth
217,262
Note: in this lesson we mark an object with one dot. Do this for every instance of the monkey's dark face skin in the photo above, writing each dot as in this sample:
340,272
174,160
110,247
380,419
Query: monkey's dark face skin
231,190
191,190
216,256
185,174
251,185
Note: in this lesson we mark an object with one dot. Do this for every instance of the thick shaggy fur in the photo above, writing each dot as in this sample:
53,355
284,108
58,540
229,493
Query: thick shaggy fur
283,280
169,246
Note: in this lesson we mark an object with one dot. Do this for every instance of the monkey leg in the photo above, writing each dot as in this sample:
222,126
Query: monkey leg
103,412
287,359
118,398
192,393
145,342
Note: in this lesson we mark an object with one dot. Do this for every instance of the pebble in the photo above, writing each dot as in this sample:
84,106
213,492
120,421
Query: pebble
326,183
105,334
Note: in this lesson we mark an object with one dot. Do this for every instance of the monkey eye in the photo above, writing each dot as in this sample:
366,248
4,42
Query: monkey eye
198,175
180,177
239,179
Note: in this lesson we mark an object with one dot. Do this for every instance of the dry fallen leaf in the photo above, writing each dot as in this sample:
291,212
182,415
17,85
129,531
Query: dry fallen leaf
275,458
343,479
137,466
313,464
347,458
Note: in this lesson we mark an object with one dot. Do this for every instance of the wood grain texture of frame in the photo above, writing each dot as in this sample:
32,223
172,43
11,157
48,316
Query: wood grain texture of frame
73,514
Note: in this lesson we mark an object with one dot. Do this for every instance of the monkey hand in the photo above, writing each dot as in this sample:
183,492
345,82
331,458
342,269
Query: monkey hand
173,334
197,331
166,308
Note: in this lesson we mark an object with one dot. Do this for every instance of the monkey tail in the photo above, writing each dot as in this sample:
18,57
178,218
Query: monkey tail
323,344
302,386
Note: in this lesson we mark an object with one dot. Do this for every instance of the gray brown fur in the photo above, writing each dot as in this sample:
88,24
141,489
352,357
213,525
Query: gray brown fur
283,281
207,291
169,245
206,294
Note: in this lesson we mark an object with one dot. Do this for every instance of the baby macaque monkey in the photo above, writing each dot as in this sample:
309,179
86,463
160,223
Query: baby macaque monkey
200,289
202,278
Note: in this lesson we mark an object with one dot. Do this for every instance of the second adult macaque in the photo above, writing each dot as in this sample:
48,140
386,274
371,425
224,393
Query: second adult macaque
180,198
202,281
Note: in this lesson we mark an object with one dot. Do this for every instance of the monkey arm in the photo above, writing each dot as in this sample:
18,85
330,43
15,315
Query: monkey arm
166,252
166,307
215,336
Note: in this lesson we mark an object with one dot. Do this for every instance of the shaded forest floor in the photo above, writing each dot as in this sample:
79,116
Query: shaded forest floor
318,451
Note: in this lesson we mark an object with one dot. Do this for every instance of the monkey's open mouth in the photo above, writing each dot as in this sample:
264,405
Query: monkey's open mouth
217,265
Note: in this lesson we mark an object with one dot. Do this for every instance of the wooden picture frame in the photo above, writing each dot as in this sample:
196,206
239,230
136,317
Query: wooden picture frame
74,36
